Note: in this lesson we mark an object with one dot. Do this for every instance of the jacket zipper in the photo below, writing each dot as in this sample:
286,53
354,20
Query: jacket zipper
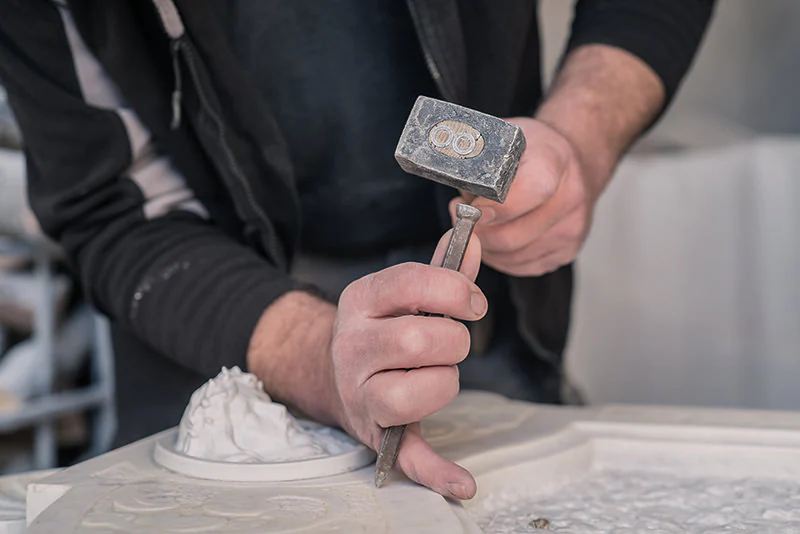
272,249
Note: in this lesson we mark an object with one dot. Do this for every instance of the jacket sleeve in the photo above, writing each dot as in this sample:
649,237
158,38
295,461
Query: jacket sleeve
144,247
665,34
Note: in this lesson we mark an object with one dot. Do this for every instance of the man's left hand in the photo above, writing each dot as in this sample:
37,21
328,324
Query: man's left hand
548,211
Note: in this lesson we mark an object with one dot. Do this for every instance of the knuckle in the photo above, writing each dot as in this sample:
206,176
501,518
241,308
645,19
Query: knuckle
552,163
437,286
352,293
408,272
548,182
409,280
398,404
413,342
346,296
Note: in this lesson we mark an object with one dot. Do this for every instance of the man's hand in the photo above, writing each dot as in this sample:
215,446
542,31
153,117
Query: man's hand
393,366
602,99
547,214
375,361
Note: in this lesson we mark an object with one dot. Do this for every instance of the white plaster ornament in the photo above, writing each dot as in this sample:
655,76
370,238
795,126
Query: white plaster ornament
231,430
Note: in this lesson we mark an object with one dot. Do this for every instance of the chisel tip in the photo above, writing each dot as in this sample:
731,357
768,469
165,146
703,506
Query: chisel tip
380,477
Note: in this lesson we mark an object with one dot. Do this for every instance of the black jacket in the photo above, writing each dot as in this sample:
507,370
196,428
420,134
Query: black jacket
160,170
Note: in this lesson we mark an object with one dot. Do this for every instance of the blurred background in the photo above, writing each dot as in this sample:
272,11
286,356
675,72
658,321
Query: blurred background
687,288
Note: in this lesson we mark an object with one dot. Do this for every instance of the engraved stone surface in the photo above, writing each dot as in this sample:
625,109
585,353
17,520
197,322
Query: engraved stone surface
591,470
12,500
182,508
631,502
462,422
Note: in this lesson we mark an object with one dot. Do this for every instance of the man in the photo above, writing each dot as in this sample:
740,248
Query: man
188,154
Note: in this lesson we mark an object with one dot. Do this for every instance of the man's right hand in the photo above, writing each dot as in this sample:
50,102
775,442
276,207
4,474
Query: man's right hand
393,366
374,361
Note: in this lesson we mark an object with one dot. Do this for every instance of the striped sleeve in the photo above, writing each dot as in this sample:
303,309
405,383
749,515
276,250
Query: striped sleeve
143,245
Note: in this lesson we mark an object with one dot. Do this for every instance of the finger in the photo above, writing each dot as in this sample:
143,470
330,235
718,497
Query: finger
412,288
566,235
472,257
400,397
547,263
539,176
466,196
522,259
519,233
424,466
410,342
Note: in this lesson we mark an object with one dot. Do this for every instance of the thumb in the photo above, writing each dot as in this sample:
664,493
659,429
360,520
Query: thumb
472,258
424,466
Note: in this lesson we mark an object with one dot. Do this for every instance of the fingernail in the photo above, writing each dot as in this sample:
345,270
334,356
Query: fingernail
487,216
457,490
478,303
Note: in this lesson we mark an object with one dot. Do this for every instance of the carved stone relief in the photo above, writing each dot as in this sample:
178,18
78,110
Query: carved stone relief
175,508
621,470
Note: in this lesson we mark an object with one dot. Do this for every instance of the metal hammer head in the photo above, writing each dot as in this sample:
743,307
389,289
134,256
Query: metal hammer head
460,147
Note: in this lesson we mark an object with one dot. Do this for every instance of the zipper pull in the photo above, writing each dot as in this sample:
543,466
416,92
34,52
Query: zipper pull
177,92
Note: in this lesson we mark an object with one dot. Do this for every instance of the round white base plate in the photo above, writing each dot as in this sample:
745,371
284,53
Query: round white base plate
165,455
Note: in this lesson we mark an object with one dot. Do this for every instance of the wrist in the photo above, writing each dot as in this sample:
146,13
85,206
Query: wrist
572,113
290,353
603,98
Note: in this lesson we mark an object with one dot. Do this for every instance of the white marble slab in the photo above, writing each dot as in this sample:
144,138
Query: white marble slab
12,500
619,469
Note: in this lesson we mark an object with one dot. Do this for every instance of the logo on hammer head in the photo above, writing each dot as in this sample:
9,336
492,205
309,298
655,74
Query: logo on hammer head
456,139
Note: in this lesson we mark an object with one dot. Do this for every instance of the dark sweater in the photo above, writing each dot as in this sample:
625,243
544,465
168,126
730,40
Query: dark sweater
183,231
341,77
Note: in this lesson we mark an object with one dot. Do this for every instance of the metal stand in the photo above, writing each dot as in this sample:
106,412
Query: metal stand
42,412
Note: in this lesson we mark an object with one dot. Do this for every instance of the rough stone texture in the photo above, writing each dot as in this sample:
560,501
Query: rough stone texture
631,502
616,469
488,174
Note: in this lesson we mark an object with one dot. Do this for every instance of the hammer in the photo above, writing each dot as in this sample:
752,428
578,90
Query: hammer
471,151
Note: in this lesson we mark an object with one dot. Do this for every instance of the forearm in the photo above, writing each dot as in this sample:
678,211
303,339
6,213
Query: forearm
290,352
602,99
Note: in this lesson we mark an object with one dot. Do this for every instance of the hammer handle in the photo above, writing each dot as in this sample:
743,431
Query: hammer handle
466,217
